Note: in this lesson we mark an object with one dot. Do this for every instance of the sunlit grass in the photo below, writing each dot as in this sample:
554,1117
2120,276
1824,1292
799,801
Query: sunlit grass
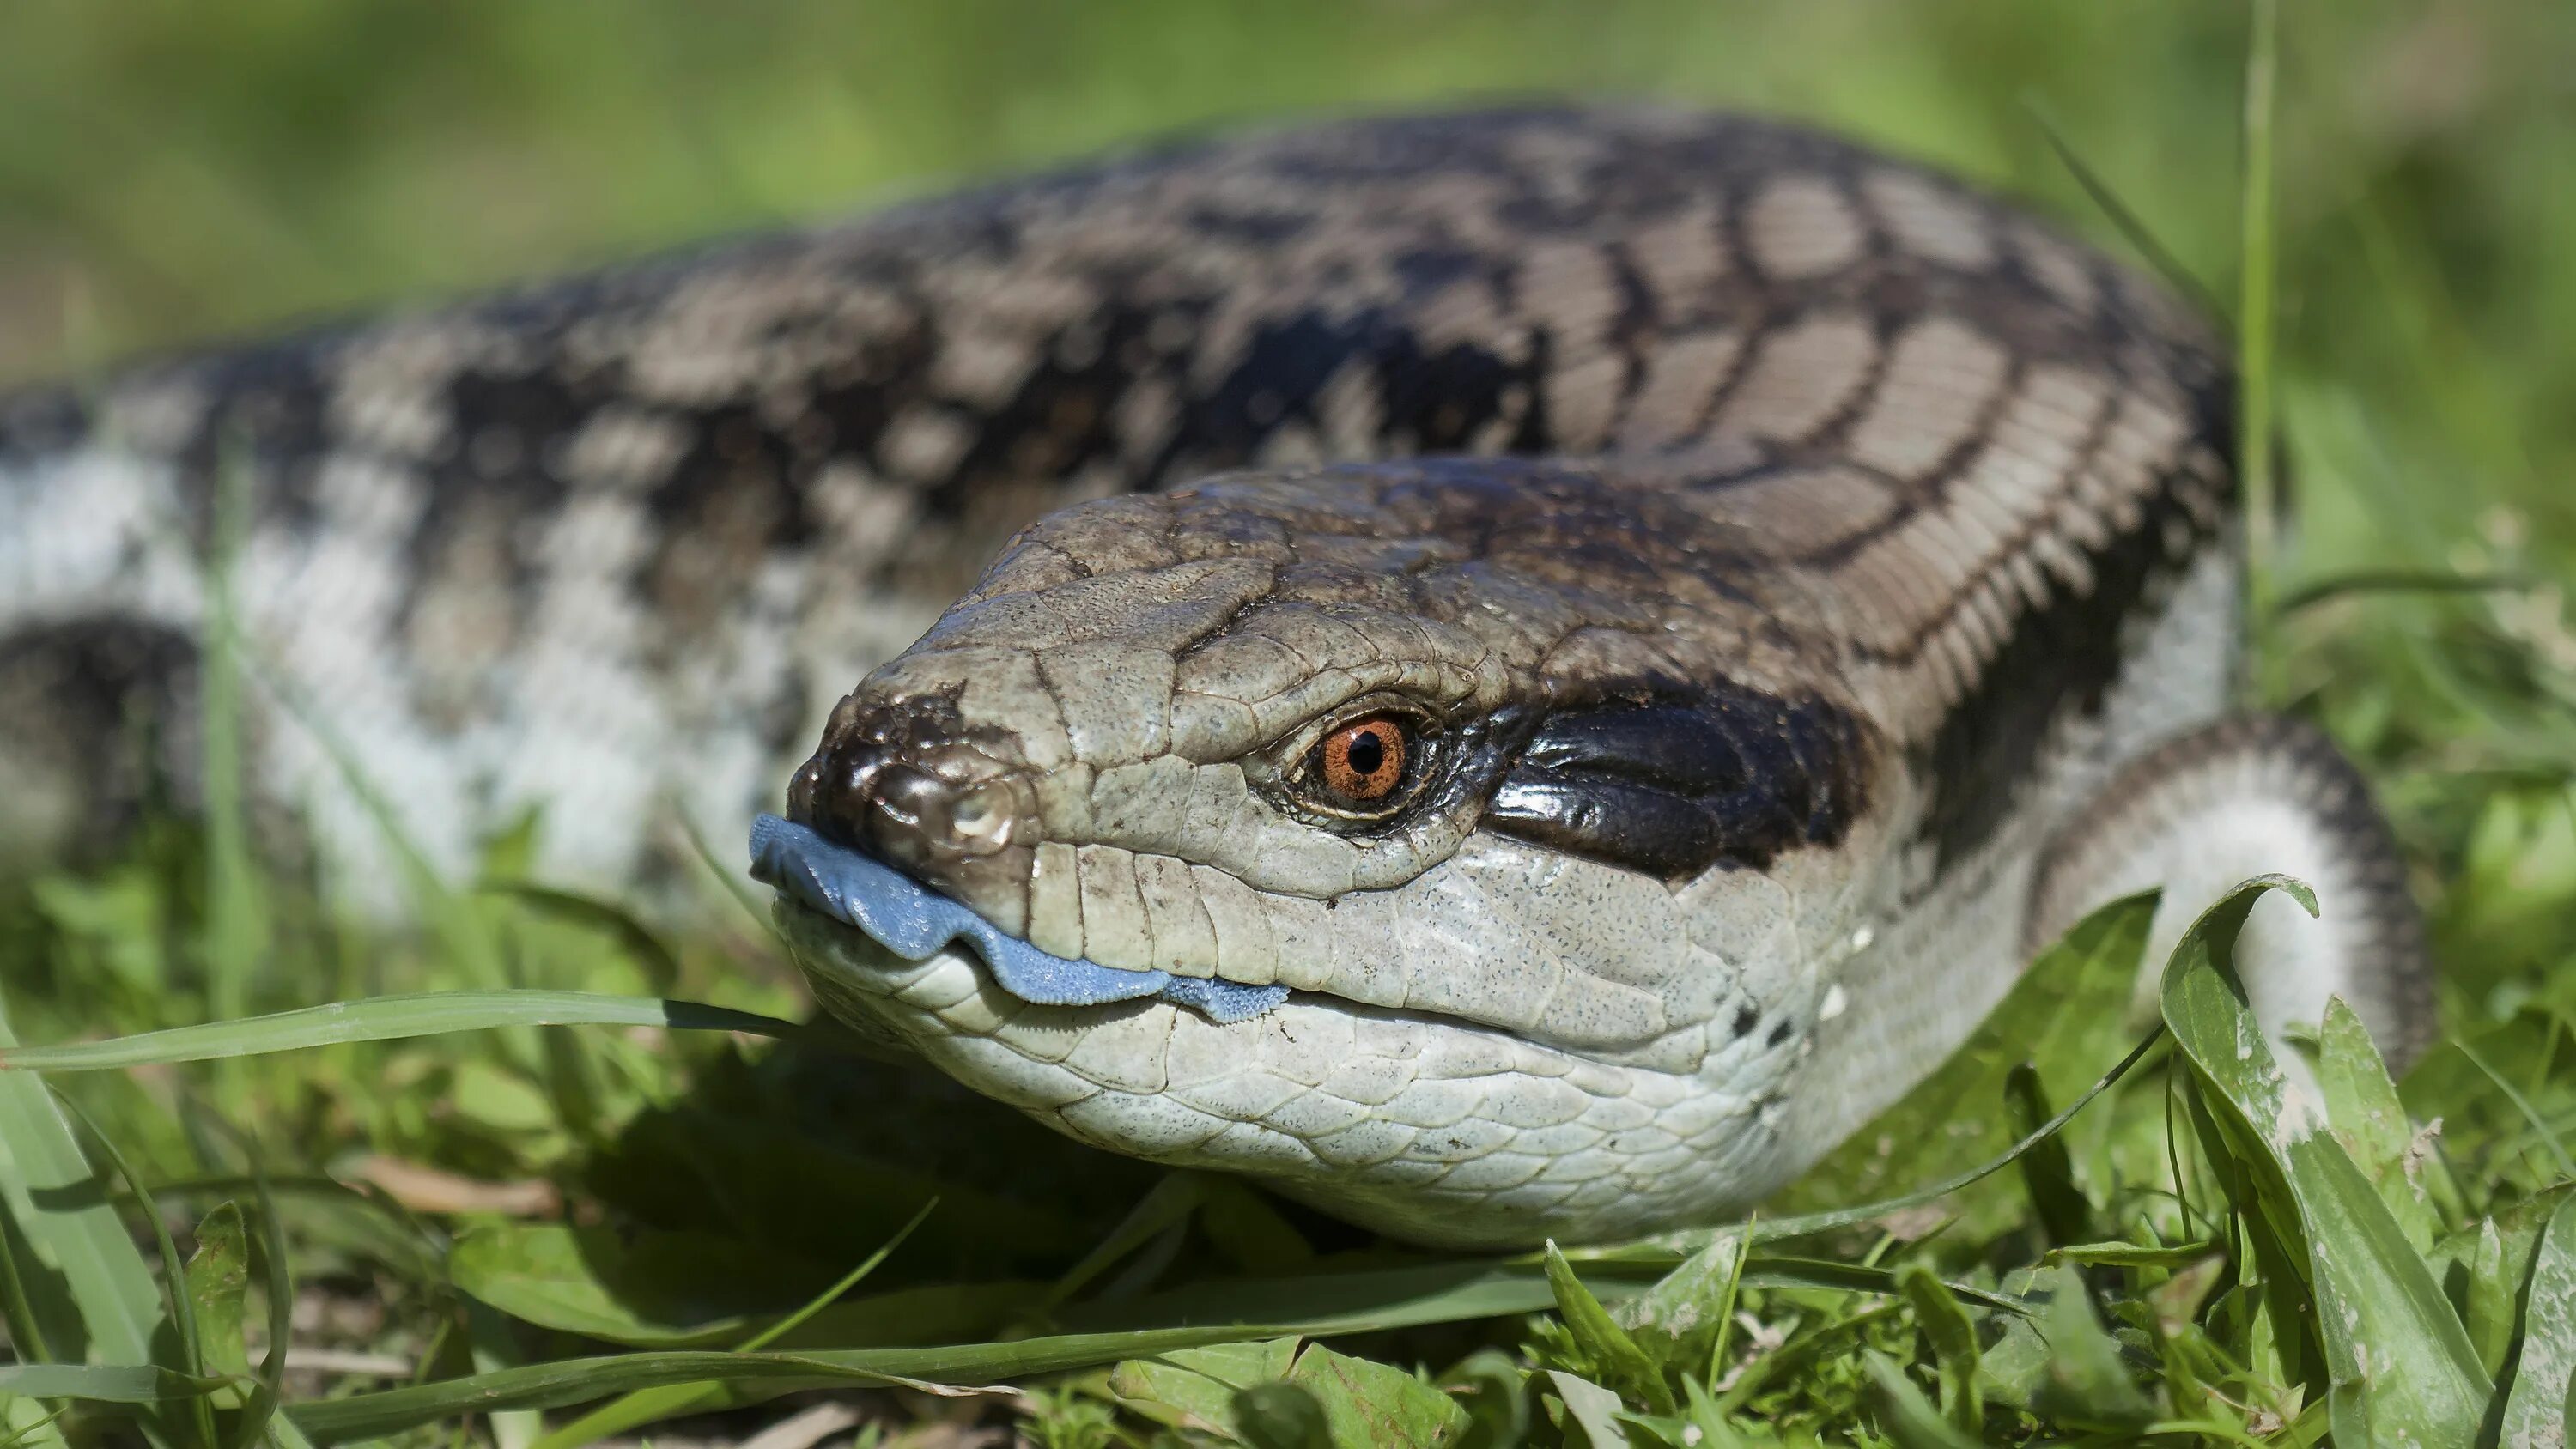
559,1200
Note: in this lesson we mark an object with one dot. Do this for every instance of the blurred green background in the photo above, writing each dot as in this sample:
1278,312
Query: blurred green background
172,170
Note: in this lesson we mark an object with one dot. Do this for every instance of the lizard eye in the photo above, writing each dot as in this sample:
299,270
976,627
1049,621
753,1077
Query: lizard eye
1368,765
1364,760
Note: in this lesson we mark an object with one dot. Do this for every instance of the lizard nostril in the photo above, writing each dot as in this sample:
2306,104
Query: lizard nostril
910,796
920,818
982,818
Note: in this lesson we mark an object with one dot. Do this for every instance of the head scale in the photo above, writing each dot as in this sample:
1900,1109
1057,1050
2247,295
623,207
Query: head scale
1532,783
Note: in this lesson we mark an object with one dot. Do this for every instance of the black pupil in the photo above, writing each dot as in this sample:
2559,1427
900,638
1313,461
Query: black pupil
1367,753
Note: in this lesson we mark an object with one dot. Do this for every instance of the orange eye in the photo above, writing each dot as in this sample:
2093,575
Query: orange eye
1363,761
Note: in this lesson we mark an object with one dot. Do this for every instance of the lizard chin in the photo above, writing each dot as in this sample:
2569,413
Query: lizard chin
1427,1128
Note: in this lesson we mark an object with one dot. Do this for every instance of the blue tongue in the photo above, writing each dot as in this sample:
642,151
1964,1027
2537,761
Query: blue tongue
899,914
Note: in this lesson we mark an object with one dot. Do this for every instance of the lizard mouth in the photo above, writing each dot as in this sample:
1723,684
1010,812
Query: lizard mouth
915,923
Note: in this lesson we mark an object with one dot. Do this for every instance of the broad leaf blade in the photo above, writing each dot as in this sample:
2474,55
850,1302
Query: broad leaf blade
1367,1405
2084,1382
65,1232
218,1282
1197,1387
1953,1337
1902,1412
1282,1416
1594,1410
649,1289
2362,1106
1682,1321
2400,1362
2544,1383
1614,1357
2495,1255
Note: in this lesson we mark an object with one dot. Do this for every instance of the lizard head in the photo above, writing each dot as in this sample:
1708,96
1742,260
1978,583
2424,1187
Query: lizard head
1453,842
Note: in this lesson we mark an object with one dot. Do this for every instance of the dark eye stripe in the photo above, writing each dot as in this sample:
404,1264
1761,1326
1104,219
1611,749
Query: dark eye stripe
1673,787
1678,747
1637,826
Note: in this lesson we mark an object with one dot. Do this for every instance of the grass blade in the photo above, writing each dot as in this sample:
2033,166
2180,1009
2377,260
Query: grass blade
652,1405
2540,1129
27,1423
649,1288
1765,1272
2397,581
389,1018
103,1383
2124,219
494,1349
1348,1302
260,1418
575,1381
18,1310
2130,1255
1169,1203
2064,1214
186,1345
1306,1308
108,1304
729,879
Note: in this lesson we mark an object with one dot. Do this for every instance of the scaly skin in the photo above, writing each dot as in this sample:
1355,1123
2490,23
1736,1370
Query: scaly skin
1855,529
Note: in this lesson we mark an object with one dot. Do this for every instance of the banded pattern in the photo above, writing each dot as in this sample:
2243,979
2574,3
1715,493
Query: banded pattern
1758,549
574,544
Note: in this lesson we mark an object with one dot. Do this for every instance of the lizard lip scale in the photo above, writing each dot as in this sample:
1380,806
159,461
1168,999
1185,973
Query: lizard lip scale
907,919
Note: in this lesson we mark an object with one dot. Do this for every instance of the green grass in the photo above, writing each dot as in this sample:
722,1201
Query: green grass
547,1233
